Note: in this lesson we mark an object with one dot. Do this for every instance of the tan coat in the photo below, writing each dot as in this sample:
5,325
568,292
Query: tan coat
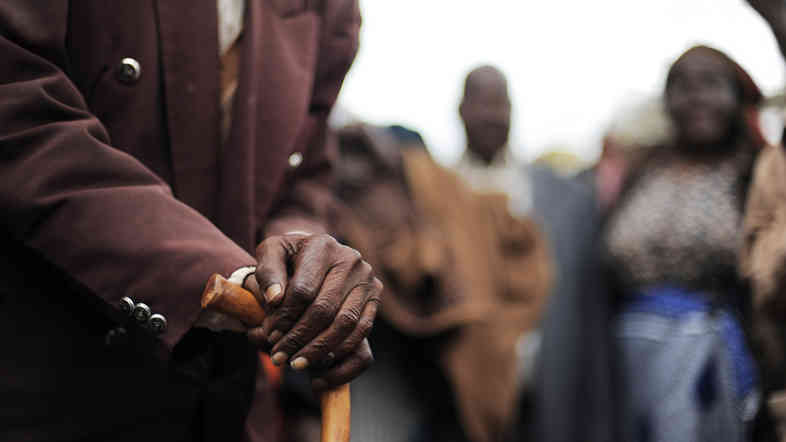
493,274
763,256
763,263
501,266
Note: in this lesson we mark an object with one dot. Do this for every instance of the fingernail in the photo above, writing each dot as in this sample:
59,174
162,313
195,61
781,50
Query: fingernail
275,336
300,363
319,384
272,292
279,358
331,356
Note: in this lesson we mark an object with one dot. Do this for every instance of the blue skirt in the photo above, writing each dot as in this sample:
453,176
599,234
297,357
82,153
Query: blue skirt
688,372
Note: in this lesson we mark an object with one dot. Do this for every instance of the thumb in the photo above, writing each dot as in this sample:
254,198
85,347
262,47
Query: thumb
273,256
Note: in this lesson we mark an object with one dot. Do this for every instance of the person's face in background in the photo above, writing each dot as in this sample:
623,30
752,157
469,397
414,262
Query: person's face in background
703,102
485,110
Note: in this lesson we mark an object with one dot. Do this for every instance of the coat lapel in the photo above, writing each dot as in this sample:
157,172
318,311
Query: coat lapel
275,87
190,69
285,62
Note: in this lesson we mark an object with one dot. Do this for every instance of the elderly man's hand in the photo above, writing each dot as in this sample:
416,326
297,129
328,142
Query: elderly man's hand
321,299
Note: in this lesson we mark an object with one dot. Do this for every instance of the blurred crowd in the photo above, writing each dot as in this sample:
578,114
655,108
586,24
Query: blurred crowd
638,299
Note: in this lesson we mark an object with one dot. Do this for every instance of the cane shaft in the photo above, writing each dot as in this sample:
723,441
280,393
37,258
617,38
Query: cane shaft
336,414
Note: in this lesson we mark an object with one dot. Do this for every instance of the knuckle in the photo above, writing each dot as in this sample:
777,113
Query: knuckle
366,268
344,327
284,319
325,241
350,255
322,237
377,285
371,309
347,320
292,341
321,312
365,326
315,349
348,347
373,296
303,291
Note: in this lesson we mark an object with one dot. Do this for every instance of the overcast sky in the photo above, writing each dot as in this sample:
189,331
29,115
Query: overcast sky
571,64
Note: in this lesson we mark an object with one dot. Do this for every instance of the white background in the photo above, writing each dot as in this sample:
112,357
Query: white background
571,64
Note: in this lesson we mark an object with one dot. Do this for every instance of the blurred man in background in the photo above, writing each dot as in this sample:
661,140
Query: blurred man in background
532,191
464,279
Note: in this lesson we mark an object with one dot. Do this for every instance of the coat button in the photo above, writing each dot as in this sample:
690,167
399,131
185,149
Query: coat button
295,160
127,305
129,71
142,313
157,324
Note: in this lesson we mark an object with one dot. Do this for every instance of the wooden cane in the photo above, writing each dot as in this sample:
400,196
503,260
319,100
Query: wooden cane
223,296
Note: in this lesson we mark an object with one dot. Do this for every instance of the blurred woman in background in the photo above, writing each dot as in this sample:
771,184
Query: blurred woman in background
668,356
670,245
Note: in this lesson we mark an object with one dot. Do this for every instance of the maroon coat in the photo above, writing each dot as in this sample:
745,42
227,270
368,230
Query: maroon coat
111,189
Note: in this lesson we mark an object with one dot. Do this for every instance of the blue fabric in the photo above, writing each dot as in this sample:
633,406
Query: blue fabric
672,302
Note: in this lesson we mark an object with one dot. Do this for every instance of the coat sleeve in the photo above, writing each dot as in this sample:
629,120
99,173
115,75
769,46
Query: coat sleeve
308,200
93,211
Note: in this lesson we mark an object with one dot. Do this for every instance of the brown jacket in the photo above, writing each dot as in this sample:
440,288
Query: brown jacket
491,274
501,275
117,188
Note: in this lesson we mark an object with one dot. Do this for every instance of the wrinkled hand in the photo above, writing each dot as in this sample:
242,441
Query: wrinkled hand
321,298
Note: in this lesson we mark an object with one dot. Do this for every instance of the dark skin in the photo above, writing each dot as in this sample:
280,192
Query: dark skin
322,298
485,111
715,100
703,101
